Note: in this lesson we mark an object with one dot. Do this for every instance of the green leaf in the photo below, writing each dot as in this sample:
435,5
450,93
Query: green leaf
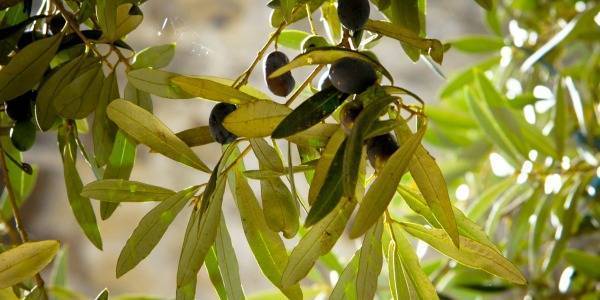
228,263
147,129
352,155
471,253
24,261
331,21
256,119
279,206
319,240
345,287
486,4
479,207
44,104
151,229
197,136
584,262
212,266
106,12
324,164
406,13
461,79
154,57
286,7
103,295
22,183
291,38
60,268
430,180
205,87
432,47
312,111
119,190
266,245
561,114
370,262
103,129
128,18
330,192
81,206
381,192
277,17
268,174
399,285
27,67
156,82
80,97
314,137
407,257
478,44
328,55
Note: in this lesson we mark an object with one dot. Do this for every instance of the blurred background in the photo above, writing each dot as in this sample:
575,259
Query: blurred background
218,38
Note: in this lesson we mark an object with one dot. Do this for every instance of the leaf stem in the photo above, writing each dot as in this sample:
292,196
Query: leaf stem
236,161
24,237
304,84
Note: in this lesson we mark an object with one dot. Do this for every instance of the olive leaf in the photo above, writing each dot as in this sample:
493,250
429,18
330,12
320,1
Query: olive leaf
22,183
584,262
409,14
324,164
106,12
197,136
328,55
319,240
80,97
147,129
314,137
457,82
155,57
119,190
211,90
228,263
81,206
292,38
312,111
279,206
471,253
486,4
432,47
478,43
268,174
256,119
381,192
128,18
103,129
277,17
370,262
266,245
214,273
399,284
156,82
24,261
27,67
345,287
151,229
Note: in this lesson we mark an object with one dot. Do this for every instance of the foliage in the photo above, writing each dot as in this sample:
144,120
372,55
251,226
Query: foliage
65,65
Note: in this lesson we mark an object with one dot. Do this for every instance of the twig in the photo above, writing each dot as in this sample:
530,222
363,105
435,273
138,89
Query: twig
304,84
18,220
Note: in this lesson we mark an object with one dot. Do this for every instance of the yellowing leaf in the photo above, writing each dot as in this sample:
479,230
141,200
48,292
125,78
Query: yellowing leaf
383,188
370,262
128,18
322,168
204,87
25,260
314,137
156,82
119,190
147,129
256,119
471,253
196,136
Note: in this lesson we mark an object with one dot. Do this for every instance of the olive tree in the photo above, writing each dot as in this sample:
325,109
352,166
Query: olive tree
355,136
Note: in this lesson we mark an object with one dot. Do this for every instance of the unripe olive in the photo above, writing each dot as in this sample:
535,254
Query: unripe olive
215,123
349,113
352,75
57,23
324,82
21,108
353,14
22,135
313,41
380,148
282,85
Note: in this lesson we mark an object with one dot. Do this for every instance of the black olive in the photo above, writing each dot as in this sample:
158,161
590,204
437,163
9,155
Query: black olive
380,148
349,113
20,108
352,75
353,14
22,135
313,41
215,123
56,24
282,85
324,82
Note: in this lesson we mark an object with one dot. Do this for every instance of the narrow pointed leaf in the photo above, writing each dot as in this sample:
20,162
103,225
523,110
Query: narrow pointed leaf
214,273
24,261
119,190
370,262
156,82
324,164
154,57
228,263
345,287
211,90
80,97
399,285
256,119
103,129
197,136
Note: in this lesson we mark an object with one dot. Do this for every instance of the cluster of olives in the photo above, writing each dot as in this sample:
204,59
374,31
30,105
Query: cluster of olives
20,110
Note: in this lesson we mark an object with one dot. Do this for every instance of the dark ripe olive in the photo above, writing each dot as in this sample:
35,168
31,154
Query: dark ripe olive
353,14
21,108
349,113
56,24
352,75
324,82
22,135
281,85
215,123
28,38
313,41
380,148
